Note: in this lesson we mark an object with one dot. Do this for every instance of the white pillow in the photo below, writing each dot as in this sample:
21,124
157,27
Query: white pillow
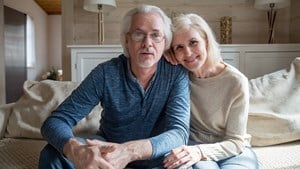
37,103
274,115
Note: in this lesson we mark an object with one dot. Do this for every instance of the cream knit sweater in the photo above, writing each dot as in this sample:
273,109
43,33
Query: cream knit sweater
219,113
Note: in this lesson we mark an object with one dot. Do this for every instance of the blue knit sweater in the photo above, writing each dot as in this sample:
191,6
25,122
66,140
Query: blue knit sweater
160,113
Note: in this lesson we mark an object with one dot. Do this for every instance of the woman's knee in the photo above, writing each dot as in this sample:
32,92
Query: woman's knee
205,165
245,160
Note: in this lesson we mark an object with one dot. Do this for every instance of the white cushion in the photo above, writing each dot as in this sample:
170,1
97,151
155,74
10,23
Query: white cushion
37,103
5,111
274,116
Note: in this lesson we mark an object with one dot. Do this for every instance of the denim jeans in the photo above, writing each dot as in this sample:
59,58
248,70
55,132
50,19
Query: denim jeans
245,160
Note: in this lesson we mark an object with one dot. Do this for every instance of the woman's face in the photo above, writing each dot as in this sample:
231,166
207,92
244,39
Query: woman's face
190,49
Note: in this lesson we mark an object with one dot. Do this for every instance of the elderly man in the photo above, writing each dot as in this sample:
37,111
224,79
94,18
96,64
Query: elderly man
145,104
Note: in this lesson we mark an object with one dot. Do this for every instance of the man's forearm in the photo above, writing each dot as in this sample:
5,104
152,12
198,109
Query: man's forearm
139,150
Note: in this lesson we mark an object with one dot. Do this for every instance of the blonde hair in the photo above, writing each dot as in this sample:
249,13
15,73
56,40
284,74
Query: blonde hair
186,21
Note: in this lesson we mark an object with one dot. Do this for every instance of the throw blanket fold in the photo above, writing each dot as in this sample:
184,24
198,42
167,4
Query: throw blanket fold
274,115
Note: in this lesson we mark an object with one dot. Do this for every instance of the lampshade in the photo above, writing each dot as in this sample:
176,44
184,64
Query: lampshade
92,5
271,6
265,4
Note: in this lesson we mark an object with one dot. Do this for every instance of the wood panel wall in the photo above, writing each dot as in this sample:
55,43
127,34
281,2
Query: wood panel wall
249,25
295,22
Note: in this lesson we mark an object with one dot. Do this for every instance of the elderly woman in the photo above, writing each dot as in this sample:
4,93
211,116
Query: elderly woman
219,102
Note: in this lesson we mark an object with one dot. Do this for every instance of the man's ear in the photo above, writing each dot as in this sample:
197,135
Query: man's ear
126,40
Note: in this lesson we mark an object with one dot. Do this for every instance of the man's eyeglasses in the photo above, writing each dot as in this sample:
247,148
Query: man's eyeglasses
138,36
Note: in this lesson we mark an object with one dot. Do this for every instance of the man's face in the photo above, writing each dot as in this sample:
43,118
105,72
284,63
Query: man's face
145,40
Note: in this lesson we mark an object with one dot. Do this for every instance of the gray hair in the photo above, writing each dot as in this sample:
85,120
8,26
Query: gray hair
185,21
126,24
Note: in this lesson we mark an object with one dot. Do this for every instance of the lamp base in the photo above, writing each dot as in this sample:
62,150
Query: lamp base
271,38
271,22
100,28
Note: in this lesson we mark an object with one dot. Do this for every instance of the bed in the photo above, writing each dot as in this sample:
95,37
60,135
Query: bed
274,120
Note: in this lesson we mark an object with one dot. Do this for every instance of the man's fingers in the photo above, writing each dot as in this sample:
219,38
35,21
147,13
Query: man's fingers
103,146
95,142
107,148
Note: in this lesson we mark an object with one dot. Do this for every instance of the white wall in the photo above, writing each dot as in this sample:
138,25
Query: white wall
40,18
54,41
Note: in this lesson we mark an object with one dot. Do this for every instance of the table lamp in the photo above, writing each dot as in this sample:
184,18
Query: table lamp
100,7
271,6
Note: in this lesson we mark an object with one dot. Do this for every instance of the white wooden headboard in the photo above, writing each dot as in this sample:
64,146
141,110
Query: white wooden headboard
253,60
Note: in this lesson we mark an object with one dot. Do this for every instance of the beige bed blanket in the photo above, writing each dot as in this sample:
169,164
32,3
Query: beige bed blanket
274,115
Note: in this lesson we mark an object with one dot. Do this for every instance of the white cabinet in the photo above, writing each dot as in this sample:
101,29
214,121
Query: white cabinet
85,57
253,60
232,58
